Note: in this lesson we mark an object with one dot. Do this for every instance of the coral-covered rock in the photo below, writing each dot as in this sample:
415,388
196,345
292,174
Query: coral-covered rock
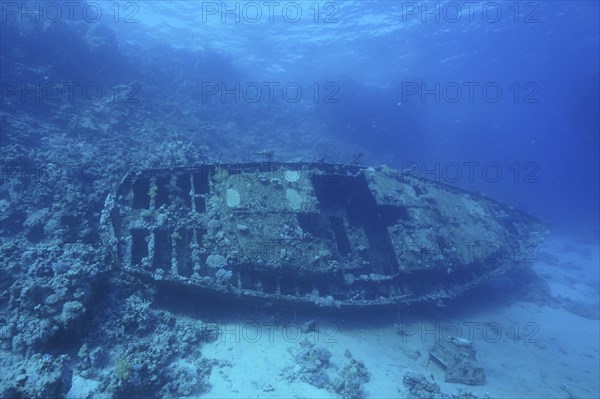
40,376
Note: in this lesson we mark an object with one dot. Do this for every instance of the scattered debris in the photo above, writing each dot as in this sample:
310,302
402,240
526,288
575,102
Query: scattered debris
351,378
461,342
313,367
309,326
419,387
457,357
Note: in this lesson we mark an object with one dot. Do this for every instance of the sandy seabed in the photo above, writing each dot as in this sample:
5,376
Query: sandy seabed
528,349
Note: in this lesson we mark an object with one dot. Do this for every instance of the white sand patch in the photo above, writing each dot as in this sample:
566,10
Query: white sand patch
81,388
571,269
255,363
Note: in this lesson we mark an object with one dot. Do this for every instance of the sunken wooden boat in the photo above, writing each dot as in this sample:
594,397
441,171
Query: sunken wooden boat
312,233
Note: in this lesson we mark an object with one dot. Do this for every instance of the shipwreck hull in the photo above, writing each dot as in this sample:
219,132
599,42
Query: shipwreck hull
318,234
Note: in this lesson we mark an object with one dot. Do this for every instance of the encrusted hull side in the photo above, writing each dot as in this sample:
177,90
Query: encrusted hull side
324,234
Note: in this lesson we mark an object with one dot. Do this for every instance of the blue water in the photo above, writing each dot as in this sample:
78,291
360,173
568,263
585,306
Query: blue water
541,134
461,92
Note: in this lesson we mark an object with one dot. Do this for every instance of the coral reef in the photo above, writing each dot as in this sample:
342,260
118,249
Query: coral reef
313,367
311,364
39,376
151,353
421,387
351,378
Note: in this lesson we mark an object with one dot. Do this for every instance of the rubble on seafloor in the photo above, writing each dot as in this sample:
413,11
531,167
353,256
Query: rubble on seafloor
313,366
418,386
